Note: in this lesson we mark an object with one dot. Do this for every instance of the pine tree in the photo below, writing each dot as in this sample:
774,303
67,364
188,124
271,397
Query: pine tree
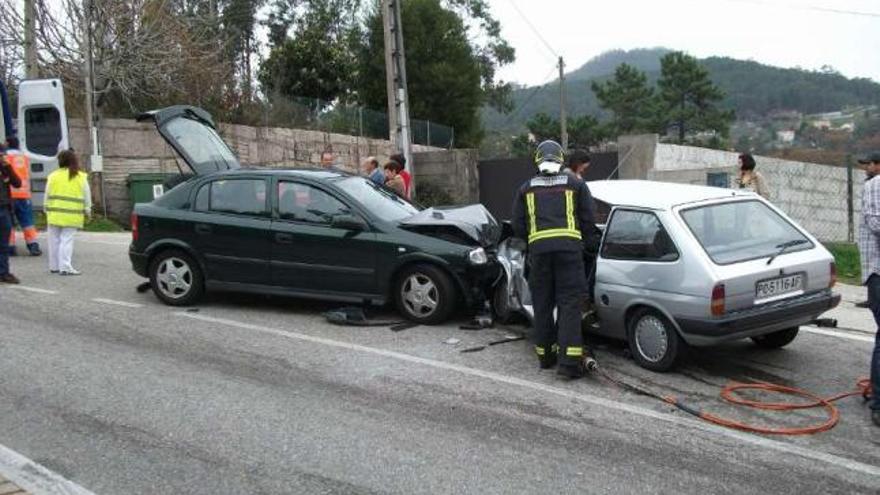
629,98
688,98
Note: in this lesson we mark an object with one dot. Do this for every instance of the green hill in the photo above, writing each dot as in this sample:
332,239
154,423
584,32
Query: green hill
752,89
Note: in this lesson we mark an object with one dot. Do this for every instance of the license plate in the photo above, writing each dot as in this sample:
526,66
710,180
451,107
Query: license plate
776,288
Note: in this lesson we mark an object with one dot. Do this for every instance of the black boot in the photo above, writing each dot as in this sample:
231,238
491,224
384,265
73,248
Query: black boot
546,356
572,371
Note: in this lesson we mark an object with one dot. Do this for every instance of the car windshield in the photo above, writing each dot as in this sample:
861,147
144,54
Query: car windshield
742,230
379,201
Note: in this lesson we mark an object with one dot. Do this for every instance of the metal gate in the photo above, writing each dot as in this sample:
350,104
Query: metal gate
500,179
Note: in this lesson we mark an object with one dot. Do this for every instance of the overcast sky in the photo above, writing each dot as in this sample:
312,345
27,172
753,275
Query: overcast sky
785,33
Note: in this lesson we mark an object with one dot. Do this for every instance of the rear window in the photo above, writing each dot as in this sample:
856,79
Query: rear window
743,230
42,130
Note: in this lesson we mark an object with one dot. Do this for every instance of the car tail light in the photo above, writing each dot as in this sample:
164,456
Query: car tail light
134,227
833,281
718,294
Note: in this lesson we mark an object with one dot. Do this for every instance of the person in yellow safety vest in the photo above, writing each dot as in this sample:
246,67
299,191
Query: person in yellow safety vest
67,203
22,208
553,212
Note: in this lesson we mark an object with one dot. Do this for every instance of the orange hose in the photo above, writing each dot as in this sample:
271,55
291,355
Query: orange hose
728,393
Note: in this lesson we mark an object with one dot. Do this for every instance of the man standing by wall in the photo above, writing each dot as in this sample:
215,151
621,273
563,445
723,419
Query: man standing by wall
869,248
372,171
578,163
22,207
7,179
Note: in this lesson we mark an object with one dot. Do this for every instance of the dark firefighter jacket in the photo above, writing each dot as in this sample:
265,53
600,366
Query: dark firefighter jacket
554,213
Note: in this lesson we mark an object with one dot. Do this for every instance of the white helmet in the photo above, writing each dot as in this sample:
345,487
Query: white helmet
549,167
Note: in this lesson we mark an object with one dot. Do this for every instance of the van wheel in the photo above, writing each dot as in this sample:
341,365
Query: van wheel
776,340
653,341
176,278
424,294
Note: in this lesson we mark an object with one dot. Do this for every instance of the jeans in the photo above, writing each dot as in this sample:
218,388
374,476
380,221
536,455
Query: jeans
5,229
874,303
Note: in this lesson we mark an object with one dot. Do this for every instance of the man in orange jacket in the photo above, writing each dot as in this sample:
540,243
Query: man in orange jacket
21,198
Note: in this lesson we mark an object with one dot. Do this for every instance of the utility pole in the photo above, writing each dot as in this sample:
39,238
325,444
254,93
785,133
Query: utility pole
30,45
395,79
563,124
96,162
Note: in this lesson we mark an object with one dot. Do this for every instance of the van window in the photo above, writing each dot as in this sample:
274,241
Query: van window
638,236
739,231
42,130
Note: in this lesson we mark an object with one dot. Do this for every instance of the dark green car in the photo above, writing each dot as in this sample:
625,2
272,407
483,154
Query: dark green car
306,233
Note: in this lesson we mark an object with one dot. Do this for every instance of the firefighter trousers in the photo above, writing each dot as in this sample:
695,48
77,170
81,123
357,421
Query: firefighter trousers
557,280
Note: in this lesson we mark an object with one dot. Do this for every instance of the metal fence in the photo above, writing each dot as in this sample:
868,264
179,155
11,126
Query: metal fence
316,115
354,120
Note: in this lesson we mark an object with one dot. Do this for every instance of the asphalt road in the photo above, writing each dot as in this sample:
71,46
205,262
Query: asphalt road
121,394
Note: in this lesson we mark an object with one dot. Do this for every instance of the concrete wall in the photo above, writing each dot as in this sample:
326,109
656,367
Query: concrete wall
455,171
814,195
131,147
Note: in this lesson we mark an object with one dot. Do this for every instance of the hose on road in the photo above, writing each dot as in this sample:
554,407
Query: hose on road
730,394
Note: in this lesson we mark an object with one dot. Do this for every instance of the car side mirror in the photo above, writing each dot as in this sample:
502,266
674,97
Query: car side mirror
348,222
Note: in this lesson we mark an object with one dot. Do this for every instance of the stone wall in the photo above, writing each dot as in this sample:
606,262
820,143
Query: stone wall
454,171
131,147
814,195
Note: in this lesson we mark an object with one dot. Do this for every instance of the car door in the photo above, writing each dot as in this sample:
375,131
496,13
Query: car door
637,261
231,229
310,252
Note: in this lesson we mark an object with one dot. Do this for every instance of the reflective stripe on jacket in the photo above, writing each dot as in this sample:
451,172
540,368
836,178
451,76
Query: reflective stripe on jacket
65,201
552,212
22,167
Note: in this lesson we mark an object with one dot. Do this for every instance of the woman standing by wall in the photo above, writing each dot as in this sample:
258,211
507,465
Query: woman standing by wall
68,202
749,178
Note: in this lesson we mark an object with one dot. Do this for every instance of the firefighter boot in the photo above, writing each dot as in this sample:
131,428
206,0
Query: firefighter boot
546,356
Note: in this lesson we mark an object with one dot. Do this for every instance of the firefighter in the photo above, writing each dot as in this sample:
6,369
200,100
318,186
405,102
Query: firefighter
21,199
552,212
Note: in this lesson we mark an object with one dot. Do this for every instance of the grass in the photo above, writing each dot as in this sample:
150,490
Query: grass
849,269
96,224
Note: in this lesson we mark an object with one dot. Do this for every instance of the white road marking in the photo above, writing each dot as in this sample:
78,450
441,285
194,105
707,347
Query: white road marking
107,243
834,460
31,289
35,478
842,335
117,303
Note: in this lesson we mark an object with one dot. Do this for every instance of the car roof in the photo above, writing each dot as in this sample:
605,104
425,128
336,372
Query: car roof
657,195
308,173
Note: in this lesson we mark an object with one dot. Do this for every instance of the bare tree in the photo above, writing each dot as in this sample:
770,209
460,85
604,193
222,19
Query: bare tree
144,51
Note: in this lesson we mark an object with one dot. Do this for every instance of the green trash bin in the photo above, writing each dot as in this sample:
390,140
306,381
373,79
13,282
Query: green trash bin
144,188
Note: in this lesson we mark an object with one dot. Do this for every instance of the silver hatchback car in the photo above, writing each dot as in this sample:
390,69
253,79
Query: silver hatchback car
683,265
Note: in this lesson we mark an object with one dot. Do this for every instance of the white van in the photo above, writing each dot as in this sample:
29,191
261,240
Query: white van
42,129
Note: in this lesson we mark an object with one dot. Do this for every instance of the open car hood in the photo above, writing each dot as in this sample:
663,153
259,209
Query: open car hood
191,132
464,224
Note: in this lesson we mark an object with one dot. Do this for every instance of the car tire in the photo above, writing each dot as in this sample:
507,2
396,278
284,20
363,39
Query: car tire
176,278
776,340
424,294
653,340
500,302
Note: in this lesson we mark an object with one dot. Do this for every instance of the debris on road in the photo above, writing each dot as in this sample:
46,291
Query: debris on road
354,316
452,341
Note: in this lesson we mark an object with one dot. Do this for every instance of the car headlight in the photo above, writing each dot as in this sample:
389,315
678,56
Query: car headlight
478,257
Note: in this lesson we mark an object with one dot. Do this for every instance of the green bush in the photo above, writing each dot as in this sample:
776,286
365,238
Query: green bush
430,194
846,256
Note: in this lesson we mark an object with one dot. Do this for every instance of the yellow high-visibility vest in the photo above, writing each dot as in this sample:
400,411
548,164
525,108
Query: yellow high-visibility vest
65,203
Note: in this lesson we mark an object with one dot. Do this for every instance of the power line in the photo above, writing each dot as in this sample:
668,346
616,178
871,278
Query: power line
534,93
814,8
534,30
